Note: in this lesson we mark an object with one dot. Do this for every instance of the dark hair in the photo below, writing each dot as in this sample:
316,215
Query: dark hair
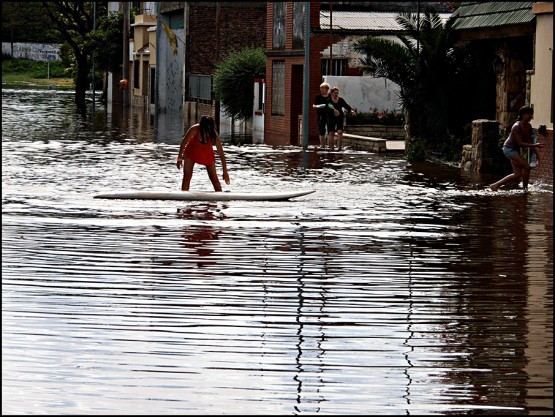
207,129
525,110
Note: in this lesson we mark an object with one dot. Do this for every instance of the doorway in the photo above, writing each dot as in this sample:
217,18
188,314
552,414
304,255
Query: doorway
296,101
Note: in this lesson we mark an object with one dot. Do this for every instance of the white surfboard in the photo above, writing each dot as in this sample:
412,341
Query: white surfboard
204,195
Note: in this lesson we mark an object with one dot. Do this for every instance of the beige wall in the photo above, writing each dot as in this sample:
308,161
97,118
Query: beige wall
541,84
152,45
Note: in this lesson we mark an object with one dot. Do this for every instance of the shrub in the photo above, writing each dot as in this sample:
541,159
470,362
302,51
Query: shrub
233,81
415,149
375,117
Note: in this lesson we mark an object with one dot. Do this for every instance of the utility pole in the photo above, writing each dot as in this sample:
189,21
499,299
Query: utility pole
93,68
125,69
331,42
216,101
306,84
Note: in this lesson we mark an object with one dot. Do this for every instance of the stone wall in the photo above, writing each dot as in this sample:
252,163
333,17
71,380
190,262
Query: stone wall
377,131
484,155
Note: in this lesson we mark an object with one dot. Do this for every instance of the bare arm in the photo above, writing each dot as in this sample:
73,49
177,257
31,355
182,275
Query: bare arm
349,108
220,150
519,139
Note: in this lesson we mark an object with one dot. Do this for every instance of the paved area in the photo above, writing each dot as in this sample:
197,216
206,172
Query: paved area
395,145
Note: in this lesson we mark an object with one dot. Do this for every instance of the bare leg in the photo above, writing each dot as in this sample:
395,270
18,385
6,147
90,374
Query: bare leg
322,141
525,177
339,139
520,169
213,175
331,140
188,166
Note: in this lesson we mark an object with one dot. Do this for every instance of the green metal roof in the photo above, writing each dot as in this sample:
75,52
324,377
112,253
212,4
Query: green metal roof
490,14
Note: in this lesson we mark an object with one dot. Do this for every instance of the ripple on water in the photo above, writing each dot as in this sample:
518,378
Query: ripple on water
388,290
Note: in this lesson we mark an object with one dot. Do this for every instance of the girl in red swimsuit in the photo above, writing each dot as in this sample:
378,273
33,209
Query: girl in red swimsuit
197,148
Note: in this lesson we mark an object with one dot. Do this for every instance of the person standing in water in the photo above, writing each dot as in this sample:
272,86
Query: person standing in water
197,147
336,117
520,137
322,113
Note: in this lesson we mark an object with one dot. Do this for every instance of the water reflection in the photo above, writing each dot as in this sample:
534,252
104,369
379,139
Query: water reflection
198,238
395,288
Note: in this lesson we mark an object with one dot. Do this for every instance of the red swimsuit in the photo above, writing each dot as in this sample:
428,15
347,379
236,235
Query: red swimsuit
200,153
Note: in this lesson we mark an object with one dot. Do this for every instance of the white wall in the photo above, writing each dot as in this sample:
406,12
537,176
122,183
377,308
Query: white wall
541,94
35,51
365,93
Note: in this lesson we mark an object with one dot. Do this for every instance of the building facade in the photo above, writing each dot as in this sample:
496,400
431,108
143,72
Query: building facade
520,35
206,32
332,34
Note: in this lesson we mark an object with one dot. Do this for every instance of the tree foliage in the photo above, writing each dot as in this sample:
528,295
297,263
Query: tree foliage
233,81
419,65
107,42
428,67
25,22
75,21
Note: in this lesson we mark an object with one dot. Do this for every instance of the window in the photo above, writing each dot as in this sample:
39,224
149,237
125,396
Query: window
298,25
177,20
278,88
278,40
200,87
338,67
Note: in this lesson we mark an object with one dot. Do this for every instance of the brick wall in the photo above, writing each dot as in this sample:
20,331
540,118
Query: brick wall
544,170
242,25
282,130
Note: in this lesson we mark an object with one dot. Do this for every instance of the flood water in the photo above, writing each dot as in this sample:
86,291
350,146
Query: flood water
393,289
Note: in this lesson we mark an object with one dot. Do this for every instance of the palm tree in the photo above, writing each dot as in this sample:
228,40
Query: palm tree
420,65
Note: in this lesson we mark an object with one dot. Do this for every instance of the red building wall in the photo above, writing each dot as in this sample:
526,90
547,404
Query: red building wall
283,129
544,170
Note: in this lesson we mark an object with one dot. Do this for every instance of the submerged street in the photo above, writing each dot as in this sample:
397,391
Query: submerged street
394,288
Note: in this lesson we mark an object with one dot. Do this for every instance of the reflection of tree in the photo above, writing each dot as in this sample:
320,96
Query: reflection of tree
484,292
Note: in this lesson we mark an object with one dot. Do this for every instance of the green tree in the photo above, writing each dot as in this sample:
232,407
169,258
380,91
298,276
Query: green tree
428,67
75,23
107,44
25,22
419,65
233,81
443,86
107,41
